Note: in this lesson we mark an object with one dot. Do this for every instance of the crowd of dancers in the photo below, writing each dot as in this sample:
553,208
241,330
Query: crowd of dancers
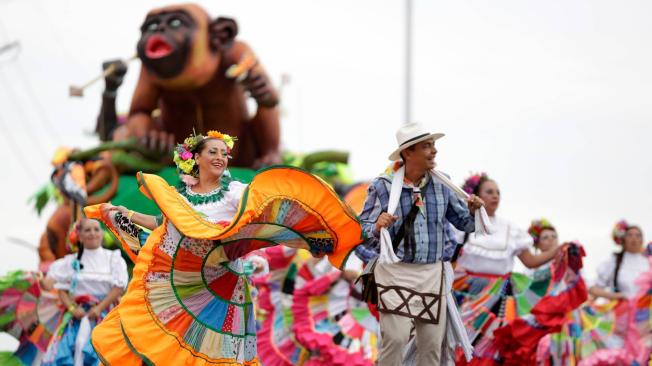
268,273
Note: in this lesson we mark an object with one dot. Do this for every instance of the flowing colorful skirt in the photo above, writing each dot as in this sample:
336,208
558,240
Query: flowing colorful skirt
188,302
616,332
29,314
506,316
66,345
277,345
333,323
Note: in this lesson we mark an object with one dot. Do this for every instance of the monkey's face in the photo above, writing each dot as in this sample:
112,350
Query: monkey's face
165,42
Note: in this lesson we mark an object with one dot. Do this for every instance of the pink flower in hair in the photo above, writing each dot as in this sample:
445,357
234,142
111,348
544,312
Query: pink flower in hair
619,231
473,182
186,155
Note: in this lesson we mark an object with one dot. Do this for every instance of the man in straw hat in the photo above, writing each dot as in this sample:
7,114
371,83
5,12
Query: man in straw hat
412,289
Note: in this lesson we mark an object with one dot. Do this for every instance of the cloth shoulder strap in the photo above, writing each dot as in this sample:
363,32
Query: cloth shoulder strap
387,254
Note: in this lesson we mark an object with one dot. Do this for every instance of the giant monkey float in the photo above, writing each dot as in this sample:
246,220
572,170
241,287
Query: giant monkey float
194,74
199,75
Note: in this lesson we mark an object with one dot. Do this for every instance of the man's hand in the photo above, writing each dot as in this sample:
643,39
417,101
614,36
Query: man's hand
350,275
474,202
385,220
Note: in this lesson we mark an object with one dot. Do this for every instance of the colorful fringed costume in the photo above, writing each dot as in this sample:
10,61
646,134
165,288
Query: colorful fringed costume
19,293
537,316
505,313
615,332
188,302
276,342
88,281
30,314
333,323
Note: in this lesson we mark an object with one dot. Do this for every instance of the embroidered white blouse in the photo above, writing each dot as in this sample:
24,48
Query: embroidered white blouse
103,270
219,210
494,254
632,266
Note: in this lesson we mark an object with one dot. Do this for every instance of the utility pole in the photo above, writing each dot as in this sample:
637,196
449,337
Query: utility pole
408,61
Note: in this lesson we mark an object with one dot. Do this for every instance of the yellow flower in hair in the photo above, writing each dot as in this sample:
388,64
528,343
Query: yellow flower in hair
187,165
190,142
228,140
216,134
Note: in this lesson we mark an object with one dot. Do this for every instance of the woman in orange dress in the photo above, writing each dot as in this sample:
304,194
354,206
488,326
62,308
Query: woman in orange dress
188,302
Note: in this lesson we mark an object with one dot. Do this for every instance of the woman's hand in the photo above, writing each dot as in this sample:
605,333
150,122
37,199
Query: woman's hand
107,208
610,295
94,313
78,313
618,296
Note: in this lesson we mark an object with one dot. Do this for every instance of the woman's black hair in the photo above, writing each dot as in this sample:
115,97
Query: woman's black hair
483,179
80,245
619,258
80,252
619,261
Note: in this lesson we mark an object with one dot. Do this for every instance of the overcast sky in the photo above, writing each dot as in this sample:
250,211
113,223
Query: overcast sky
550,98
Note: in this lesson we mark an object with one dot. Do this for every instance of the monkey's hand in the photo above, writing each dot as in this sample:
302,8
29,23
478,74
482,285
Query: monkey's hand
159,141
115,78
254,79
271,158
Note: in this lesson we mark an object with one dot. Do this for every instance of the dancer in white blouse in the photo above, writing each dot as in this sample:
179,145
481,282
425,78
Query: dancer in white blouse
617,275
494,253
89,283
484,283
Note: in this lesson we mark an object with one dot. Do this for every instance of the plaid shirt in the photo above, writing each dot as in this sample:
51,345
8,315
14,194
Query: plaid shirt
432,233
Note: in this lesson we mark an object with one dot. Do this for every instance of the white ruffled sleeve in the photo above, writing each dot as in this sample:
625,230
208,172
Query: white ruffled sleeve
61,272
260,262
605,271
233,196
119,274
520,240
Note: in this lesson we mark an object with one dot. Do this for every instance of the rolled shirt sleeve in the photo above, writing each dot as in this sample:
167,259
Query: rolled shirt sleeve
370,212
458,214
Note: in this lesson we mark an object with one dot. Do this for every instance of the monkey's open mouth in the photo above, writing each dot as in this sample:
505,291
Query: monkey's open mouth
157,47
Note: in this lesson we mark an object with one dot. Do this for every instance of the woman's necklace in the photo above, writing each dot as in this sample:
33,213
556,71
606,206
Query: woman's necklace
203,198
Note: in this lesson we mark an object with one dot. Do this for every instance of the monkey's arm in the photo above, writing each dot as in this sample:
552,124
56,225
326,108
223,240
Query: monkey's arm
256,82
144,101
265,124
267,132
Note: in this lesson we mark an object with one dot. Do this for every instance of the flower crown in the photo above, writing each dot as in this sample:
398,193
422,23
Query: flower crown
73,236
473,182
537,226
619,231
184,154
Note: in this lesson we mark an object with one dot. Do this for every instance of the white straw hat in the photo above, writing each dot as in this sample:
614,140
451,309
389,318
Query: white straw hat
410,134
